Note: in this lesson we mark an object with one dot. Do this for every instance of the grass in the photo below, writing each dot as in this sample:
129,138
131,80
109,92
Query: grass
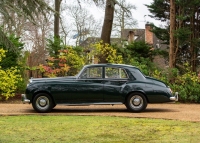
95,129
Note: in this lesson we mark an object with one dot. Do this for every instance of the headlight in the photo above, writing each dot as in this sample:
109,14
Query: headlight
30,80
170,90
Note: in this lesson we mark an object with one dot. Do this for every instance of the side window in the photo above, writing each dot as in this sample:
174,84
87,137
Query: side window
115,73
93,72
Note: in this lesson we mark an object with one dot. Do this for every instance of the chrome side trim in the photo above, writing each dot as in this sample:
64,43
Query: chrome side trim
91,103
24,99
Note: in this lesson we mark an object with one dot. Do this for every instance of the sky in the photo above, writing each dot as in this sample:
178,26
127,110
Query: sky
140,14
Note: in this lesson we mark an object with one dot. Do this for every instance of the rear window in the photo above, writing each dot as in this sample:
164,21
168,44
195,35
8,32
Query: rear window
111,72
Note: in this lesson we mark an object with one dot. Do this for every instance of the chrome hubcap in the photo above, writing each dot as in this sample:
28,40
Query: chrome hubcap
136,101
42,102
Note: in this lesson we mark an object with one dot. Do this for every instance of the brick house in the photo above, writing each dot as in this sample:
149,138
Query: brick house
131,35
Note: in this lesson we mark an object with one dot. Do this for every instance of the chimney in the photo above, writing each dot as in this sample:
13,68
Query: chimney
130,36
148,34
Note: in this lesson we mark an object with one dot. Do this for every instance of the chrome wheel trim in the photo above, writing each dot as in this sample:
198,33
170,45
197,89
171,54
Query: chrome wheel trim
136,102
42,103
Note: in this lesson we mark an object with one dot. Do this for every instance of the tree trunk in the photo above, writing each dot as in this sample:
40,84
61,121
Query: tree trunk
122,26
172,57
108,21
57,18
193,51
197,34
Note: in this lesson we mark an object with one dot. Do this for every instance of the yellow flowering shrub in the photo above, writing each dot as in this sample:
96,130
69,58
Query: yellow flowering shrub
107,52
72,58
2,54
8,79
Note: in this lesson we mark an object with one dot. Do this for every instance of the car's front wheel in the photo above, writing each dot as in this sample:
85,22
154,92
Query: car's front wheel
42,103
136,102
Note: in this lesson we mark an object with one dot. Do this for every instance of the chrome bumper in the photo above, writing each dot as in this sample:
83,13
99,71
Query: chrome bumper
175,97
24,99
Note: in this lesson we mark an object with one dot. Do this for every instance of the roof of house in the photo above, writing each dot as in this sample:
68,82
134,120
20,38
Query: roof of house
139,35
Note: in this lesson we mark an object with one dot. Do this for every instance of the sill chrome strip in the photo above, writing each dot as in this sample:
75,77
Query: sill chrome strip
87,104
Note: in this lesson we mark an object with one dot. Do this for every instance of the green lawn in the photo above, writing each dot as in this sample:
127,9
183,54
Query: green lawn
95,129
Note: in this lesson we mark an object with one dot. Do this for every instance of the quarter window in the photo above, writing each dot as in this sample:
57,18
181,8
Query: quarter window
115,73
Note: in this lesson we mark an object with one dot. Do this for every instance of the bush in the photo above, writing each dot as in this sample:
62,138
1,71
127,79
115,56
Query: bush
187,84
145,65
105,53
9,78
67,63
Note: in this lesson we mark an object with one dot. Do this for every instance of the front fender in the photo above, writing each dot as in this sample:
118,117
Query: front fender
32,90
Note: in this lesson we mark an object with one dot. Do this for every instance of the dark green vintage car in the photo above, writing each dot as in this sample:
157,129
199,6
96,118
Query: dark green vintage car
98,84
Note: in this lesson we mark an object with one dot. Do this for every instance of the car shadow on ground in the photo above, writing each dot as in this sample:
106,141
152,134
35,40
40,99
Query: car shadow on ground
160,110
150,110
77,109
88,110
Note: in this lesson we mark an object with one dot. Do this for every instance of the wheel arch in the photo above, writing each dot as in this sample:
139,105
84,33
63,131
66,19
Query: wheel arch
43,91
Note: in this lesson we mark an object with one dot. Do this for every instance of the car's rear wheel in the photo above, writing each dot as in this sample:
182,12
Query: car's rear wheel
42,103
136,102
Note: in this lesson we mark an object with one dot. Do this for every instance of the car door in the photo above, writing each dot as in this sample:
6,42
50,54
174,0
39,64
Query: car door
114,81
89,86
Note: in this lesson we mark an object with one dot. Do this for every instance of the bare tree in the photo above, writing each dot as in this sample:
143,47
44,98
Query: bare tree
36,35
123,18
108,17
65,30
85,24
22,8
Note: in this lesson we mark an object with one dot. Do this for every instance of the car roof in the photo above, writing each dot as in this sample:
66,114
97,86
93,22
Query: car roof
110,64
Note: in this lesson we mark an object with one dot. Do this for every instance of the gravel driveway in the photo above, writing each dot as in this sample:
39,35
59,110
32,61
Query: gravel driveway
184,112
